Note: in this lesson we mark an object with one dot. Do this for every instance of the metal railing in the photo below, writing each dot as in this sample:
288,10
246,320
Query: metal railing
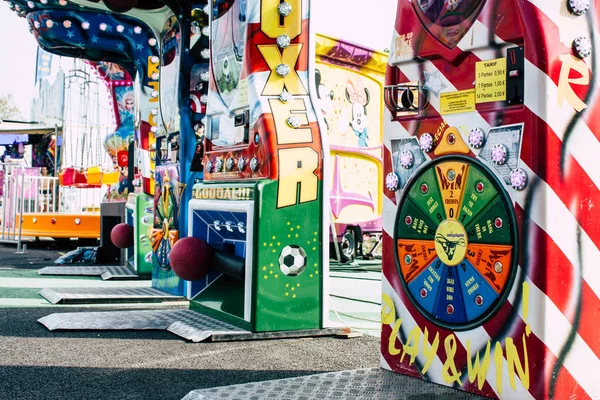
25,191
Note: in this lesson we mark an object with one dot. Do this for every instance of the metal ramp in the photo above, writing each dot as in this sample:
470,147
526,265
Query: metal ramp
89,295
106,272
374,383
187,324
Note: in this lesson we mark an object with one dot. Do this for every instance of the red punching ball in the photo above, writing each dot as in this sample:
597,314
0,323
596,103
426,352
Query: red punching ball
190,258
122,235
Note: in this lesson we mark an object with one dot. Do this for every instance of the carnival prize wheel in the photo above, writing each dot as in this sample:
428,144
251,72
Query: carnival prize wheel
456,242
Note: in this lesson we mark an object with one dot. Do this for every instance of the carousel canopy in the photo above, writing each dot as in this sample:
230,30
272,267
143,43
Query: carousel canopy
24,128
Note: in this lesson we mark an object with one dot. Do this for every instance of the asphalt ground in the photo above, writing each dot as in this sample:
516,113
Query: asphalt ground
38,364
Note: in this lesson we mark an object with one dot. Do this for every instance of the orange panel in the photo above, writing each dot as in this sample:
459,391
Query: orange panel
492,261
59,225
415,256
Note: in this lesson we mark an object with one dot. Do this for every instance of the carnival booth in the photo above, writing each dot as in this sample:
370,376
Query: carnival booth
490,233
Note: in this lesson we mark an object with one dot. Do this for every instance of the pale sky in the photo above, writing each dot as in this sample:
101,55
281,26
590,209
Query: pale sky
345,19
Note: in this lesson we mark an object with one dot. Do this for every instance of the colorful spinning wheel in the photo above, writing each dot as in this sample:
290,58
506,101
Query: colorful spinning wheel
456,242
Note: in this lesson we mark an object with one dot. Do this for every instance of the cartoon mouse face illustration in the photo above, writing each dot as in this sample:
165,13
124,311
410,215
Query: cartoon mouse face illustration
359,97
325,96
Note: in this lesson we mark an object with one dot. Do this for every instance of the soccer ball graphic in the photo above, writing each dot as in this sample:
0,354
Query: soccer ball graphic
292,260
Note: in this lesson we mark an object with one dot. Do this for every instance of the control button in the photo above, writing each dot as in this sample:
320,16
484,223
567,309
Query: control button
229,164
407,159
254,164
518,179
499,154
241,163
476,138
426,142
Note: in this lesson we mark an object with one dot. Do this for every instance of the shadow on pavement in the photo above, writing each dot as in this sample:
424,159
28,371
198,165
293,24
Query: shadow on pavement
56,382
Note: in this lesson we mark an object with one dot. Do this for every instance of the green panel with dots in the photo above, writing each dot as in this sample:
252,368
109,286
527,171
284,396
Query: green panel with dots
484,230
429,202
287,302
479,192
413,224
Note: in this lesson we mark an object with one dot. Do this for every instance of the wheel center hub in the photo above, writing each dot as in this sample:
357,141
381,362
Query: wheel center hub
451,242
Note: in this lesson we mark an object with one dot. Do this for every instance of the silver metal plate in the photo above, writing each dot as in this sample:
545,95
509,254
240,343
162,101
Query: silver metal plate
361,384
104,271
187,324
106,295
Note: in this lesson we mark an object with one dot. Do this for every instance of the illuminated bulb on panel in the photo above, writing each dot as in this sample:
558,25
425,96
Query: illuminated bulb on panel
579,7
282,70
120,28
85,25
293,121
36,24
283,41
582,47
77,221
206,9
205,53
154,129
30,4
204,99
152,42
284,9
44,1
154,111
63,2
206,31
137,30
204,76
49,23
285,96
103,26
67,24
154,59
17,7
154,94
155,76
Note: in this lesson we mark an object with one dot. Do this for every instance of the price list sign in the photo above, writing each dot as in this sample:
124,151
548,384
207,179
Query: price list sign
490,80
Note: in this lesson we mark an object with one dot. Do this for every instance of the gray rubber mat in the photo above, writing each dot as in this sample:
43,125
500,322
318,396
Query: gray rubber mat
104,271
187,324
361,384
106,295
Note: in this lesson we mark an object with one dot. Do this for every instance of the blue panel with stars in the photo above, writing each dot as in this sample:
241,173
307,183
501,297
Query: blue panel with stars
450,307
426,286
217,228
477,293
